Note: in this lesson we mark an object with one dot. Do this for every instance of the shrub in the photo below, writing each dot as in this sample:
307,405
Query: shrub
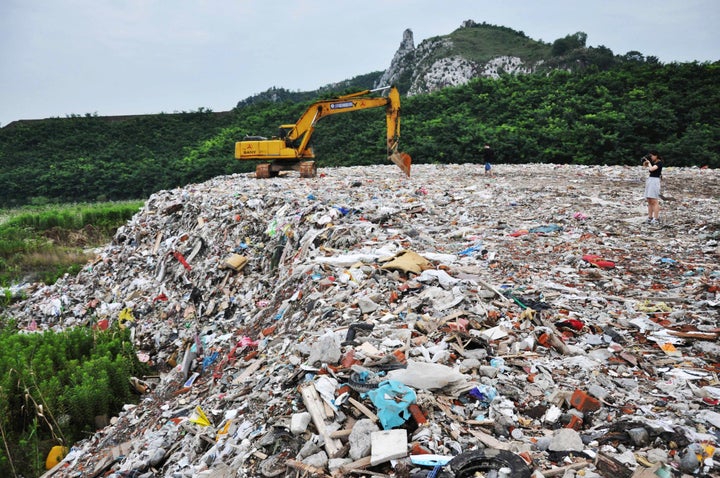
53,385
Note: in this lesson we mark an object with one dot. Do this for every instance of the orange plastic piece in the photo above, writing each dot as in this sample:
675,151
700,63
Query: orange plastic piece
418,449
544,340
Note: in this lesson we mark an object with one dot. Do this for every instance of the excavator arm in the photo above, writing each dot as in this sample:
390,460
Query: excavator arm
291,149
392,115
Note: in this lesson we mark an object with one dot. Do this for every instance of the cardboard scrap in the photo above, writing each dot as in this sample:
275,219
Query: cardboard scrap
408,261
235,262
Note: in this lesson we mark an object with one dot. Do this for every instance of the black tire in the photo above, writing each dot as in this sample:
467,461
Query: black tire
465,465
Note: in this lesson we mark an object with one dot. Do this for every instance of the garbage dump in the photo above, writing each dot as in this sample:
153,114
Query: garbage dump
449,324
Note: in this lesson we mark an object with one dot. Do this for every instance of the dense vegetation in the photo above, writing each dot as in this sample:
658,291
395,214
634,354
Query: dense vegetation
90,158
54,385
608,117
44,243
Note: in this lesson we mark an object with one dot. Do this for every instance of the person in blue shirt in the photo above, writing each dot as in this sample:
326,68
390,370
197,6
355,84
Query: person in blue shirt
489,157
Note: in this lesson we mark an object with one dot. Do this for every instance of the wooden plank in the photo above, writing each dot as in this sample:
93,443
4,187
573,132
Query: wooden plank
158,238
341,433
489,440
314,405
249,370
694,335
360,464
365,410
313,470
609,466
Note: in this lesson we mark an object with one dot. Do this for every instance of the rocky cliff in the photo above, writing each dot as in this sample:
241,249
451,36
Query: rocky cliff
454,59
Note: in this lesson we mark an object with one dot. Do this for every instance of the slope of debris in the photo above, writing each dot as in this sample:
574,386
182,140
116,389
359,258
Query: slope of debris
448,324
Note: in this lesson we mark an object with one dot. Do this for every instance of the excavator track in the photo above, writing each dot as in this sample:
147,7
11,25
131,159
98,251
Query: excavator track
308,169
262,171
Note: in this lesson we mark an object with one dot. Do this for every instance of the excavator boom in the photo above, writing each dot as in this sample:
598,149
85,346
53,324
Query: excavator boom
291,149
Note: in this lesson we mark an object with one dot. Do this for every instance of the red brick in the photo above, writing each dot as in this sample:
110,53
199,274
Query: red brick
584,402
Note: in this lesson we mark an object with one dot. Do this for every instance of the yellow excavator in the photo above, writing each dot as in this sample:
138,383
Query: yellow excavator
291,150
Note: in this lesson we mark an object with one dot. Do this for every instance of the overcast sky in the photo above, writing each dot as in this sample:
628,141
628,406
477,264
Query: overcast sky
114,57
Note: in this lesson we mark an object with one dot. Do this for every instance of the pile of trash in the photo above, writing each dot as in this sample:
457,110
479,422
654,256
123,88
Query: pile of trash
448,324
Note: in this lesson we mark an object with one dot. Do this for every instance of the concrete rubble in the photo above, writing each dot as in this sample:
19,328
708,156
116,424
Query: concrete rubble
448,324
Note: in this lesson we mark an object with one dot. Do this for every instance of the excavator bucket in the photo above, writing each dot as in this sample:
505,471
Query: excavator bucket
402,160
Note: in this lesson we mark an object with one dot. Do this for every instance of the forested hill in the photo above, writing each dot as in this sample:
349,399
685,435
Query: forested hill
597,114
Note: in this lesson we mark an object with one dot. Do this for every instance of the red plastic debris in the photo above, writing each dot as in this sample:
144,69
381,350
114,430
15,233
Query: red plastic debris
598,261
575,422
571,324
182,260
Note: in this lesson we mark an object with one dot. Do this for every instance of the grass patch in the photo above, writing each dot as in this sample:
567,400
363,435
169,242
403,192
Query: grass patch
41,244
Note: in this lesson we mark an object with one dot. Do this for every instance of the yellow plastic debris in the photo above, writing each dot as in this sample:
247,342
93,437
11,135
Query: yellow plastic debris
646,306
57,453
199,417
125,316
222,433
527,314
708,450
670,350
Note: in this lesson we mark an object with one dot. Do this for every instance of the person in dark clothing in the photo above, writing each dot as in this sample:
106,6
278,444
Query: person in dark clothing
489,157
653,163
